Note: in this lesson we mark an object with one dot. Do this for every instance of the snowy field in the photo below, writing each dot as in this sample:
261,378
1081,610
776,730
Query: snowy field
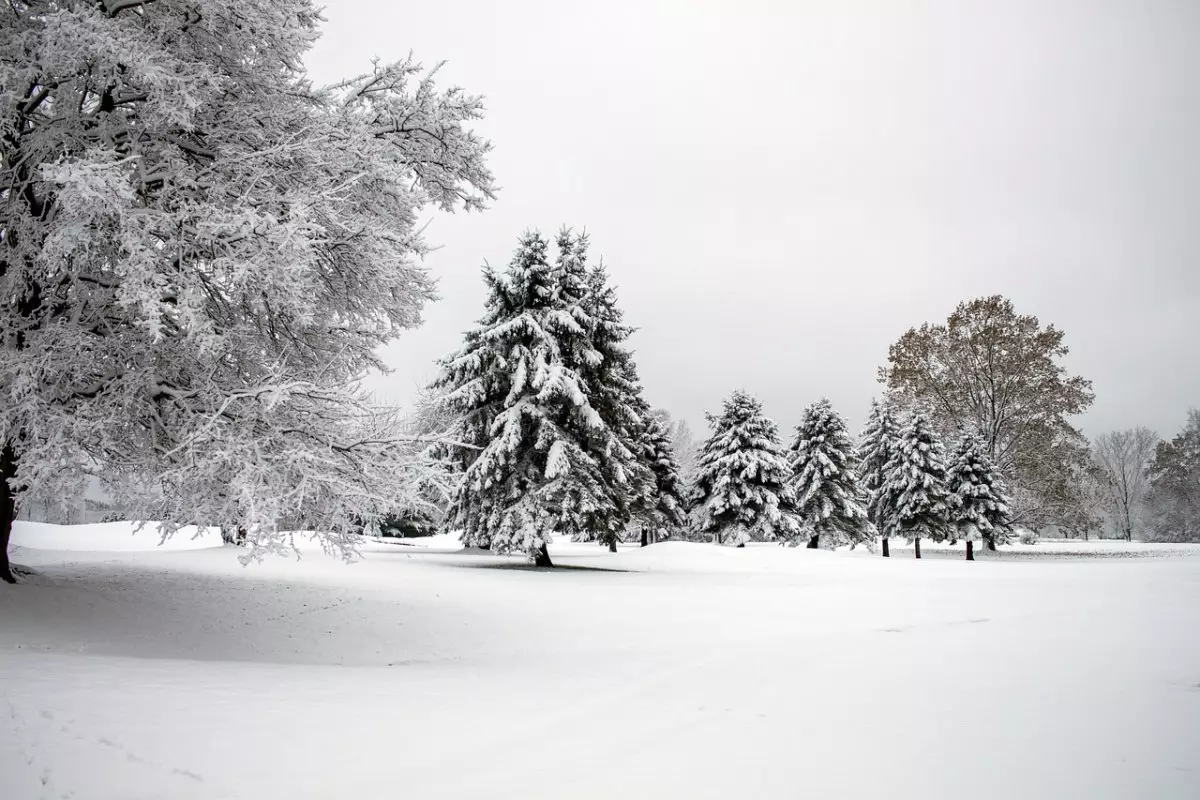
129,670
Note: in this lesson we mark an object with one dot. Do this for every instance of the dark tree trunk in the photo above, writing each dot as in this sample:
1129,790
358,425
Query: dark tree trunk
541,558
886,552
917,547
645,537
970,551
814,542
8,508
989,540
612,545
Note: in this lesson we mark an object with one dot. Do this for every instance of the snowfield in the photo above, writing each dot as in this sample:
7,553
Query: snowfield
129,670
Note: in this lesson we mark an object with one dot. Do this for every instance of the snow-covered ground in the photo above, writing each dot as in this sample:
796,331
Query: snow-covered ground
680,670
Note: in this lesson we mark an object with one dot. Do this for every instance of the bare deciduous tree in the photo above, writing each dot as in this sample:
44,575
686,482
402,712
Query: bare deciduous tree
1123,458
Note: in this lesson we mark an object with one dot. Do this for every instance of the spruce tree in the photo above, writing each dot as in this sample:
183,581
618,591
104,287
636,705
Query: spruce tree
829,497
615,391
741,490
914,494
876,446
520,399
665,514
978,500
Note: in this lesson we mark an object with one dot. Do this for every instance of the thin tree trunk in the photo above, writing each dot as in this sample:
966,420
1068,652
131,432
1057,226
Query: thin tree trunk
8,508
541,558
645,537
886,553
917,547
612,544
970,551
814,542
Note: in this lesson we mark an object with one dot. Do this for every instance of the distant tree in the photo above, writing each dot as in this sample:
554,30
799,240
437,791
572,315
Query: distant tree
666,514
978,502
687,452
203,252
538,464
876,445
915,494
997,375
741,492
830,501
1084,498
1174,497
1124,460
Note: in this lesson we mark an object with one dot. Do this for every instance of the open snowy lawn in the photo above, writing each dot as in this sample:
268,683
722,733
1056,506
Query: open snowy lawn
675,671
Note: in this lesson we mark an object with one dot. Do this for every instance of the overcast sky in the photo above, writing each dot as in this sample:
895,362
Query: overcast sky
781,189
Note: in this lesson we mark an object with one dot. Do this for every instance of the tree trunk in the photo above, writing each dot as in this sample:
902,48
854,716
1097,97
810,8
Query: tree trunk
612,545
989,539
541,557
970,551
814,542
917,547
645,537
8,508
886,553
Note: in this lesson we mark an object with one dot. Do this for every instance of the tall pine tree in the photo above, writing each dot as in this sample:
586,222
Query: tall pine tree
615,391
914,498
876,446
978,501
830,501
741,490
521,400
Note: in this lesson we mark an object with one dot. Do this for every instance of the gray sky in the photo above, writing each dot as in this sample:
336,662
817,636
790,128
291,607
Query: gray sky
781,189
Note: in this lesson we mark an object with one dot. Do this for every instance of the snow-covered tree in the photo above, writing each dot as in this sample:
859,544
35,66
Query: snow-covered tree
666,514
829,498
914,499
614,389
741,491
978,501
202,253
520,400
876,445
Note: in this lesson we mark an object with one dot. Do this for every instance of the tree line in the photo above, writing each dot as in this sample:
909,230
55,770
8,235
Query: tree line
555,437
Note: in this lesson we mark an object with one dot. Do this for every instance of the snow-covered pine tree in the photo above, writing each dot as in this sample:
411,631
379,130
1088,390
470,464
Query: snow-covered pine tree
614,390
666,514
830,501
978,500
203,252
875,448
742,492
914,490
537,470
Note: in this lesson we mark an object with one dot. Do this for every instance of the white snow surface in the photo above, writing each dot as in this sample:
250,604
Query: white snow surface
677,670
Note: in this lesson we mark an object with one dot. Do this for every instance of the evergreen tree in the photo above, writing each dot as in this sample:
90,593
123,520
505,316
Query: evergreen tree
914,498
517,390
666,514
829,497
978,501
875,449
615,392
742,490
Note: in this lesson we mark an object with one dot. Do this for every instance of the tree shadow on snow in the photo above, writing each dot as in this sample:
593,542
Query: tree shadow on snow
521,566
